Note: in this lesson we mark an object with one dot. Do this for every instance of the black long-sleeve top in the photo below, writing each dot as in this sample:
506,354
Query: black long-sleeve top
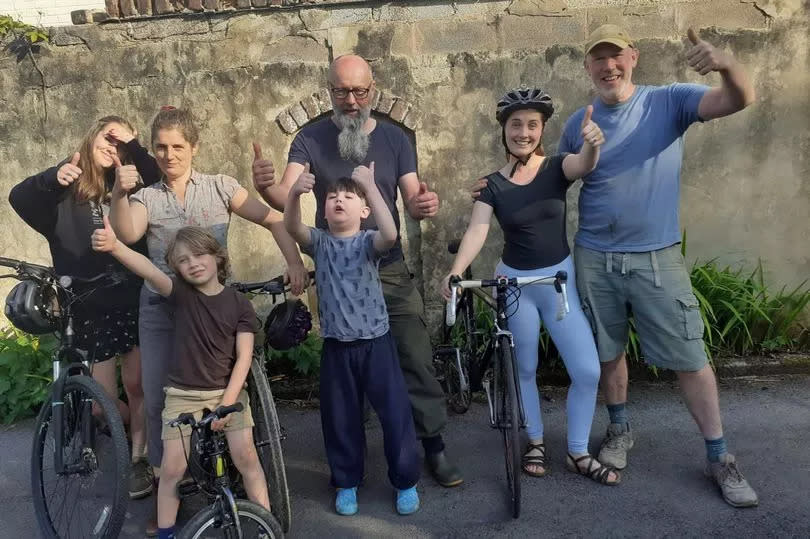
52,210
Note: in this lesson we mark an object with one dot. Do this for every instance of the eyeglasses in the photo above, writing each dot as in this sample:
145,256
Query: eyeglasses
343,93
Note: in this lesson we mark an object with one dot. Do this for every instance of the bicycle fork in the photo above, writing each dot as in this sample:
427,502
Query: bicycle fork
489,387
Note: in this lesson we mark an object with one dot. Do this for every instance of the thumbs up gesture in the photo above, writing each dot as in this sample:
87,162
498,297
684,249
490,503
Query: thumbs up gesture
591,133
425,203
103,239
69,172
264,174
364,176
702,56
126,176
304,183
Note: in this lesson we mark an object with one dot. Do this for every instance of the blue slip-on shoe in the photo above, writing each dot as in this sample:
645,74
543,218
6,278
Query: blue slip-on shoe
346,501
407,501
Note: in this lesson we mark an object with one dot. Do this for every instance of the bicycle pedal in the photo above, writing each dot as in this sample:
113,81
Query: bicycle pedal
187,487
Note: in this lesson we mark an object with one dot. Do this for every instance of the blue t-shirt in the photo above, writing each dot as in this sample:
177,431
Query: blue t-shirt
629,203
350,298
389,148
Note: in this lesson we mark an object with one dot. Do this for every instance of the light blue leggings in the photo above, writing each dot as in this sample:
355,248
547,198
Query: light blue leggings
574,340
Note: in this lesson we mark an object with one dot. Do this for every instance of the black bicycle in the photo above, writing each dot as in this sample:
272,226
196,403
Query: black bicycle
267,432
80,457
213,473
500,378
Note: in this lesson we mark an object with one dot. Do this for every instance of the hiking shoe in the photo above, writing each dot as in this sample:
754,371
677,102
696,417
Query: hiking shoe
618,441
736,490
443,470
407,501
140,479
346,501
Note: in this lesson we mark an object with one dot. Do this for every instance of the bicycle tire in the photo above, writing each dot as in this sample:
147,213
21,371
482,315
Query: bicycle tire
510,421
267,437
206,522
108,450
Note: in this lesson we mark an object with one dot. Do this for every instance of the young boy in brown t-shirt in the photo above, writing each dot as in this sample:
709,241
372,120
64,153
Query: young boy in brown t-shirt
215,326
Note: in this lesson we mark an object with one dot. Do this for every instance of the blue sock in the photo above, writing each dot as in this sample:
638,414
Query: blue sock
166,533
715,449
618,413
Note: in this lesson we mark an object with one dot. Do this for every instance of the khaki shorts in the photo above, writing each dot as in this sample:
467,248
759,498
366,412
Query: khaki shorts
181,401
655,289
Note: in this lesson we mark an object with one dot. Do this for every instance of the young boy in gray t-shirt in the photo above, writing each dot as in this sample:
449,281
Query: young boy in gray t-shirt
359,355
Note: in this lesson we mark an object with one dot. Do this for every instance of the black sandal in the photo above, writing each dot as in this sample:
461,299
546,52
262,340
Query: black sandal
535,460
600,474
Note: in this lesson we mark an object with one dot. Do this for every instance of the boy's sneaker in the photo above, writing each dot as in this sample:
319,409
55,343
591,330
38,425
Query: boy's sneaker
736,490
346,501
618,441
407,501
140,479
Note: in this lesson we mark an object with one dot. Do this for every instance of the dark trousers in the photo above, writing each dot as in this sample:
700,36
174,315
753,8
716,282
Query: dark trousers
350,371
406,317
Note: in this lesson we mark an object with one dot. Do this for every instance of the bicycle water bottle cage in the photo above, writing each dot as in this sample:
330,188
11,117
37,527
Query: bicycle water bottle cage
287,325
29,307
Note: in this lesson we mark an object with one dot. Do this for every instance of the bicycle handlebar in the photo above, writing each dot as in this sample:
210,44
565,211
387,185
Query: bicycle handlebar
558,280
218,413
43,273
274,286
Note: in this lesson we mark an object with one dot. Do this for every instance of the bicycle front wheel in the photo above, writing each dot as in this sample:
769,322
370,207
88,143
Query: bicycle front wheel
462,337
509,422
88,499
267,438
210,522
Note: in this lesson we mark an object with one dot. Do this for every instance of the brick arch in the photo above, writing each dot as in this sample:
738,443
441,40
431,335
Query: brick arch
309,107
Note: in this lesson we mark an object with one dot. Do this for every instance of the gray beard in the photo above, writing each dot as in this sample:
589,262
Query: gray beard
353,141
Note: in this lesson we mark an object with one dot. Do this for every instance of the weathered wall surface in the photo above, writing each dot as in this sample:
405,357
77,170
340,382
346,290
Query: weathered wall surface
745,191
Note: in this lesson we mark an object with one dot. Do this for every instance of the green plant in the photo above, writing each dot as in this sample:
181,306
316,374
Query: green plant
304,359
25,372
32,34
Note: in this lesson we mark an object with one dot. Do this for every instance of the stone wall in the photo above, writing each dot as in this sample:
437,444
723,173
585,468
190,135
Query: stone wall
246,74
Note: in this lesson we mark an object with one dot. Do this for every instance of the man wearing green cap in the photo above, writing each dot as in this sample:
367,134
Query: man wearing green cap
628,260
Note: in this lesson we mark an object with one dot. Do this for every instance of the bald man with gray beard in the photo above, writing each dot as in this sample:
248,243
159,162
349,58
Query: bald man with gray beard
333,147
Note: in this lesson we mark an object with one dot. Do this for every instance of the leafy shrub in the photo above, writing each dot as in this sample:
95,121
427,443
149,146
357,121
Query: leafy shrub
32,34
25,372
304,359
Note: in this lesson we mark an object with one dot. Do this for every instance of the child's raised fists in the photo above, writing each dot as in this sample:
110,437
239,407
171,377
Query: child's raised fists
304,183
103,239
364,176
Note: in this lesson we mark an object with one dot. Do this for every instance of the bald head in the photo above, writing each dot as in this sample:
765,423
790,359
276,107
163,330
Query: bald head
350,71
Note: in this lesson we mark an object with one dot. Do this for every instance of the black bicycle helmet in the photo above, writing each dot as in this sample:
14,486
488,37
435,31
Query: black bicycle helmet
287,325
524,98
29,306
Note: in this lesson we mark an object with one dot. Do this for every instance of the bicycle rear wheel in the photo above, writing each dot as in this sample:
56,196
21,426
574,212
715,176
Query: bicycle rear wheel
89,499
254,520
509,421
267,437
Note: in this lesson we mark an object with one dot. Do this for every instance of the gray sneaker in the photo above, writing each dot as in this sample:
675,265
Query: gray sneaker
140,479
618,441
736,490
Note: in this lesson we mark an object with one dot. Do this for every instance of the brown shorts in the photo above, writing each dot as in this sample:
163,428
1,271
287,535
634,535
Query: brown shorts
190,401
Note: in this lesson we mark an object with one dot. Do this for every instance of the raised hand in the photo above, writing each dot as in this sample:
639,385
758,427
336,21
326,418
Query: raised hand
364,176
476,187
591,133
126,176
425,203
69,172
264,174
305,182
104,239
123,136
702,56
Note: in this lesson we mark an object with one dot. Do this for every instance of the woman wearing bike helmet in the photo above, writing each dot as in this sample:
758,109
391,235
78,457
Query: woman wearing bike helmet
65,204
183,197
527,195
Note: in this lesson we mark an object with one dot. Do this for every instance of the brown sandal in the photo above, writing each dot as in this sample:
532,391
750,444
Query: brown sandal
600,474
535,459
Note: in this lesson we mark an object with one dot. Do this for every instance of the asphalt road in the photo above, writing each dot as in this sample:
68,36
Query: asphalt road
663,493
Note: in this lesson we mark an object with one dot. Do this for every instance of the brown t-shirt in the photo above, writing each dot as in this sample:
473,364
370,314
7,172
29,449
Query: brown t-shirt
205,335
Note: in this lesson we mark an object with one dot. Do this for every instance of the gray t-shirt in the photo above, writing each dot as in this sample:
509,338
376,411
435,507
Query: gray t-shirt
207,204
350,298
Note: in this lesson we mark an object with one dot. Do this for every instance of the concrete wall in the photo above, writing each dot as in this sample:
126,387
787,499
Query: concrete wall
745,193
46,13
